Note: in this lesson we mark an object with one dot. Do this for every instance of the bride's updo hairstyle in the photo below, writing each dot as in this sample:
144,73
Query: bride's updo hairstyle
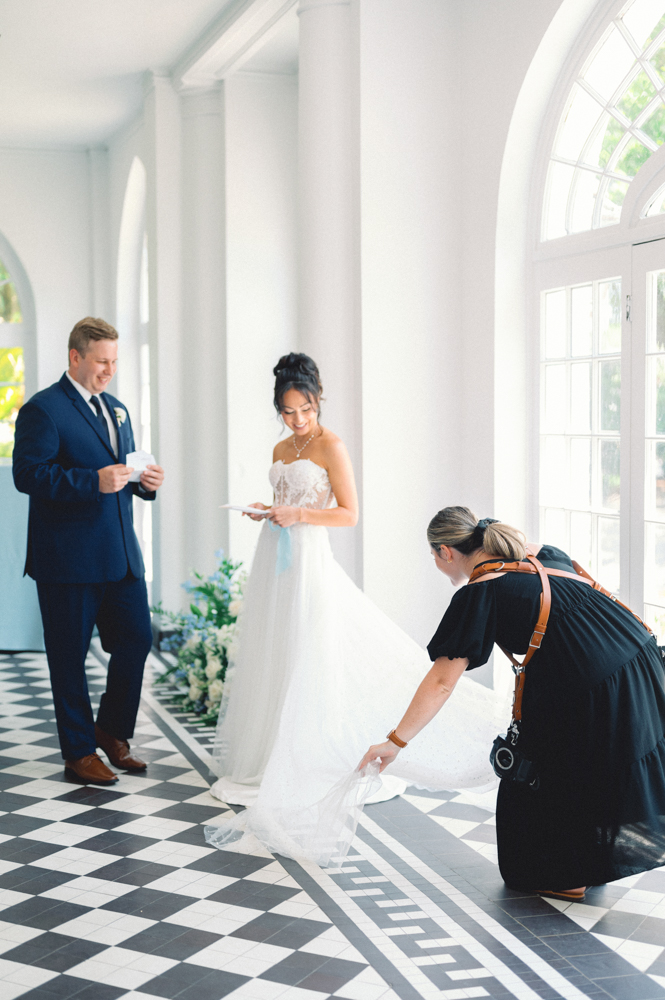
297,371
459,528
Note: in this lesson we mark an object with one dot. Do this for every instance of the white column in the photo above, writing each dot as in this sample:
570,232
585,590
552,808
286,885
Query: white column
205,457
162,118
328,172
261,127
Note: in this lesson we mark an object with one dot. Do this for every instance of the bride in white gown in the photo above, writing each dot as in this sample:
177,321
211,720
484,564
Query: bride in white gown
319,670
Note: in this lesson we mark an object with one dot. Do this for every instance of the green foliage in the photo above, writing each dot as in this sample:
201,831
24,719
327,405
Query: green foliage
655,125
658,60
639,94
12,391
634,155
203,639
616,192
10,310
613,134
655,33
11,365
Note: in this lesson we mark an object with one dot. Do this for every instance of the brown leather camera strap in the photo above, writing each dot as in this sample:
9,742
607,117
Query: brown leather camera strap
492,570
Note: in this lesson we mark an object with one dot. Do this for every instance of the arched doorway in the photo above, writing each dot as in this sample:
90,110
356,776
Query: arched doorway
20,622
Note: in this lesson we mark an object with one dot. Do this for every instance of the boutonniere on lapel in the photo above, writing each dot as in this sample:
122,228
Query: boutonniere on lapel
120,415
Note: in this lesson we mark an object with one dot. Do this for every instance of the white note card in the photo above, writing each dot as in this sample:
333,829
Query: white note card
245,510
139,461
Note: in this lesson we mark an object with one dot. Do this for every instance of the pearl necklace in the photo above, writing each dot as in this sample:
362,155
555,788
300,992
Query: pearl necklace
299,451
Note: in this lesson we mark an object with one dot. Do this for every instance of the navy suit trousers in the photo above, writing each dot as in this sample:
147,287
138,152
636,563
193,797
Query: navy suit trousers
69,613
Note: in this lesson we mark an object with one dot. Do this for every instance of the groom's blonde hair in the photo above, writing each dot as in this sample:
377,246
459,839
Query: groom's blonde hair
90,329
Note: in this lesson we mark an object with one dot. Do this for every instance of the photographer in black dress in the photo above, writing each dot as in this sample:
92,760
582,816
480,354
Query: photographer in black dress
590,807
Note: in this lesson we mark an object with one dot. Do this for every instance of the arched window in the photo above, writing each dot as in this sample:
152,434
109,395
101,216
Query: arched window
599,273
12,361
614,120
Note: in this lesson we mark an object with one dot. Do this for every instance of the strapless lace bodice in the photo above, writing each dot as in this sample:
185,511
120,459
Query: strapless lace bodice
302,483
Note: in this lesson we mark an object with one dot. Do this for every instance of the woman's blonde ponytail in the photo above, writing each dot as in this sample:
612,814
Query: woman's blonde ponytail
459,528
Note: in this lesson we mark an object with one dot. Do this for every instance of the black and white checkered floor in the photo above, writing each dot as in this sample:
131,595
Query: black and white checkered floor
113,892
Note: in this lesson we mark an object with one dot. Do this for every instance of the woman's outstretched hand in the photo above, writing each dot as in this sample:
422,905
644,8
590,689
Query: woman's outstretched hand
256,517
385,751
285,516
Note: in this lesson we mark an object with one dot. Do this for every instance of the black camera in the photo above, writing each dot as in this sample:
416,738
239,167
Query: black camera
509,763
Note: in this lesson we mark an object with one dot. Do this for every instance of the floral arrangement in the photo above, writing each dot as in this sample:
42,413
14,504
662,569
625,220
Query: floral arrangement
202,639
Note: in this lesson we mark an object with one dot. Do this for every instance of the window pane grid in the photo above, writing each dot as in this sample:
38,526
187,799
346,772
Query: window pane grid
12,391
654,492
613,121
580,424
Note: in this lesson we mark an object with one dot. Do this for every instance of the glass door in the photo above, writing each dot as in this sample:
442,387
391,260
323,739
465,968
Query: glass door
584,418
648,438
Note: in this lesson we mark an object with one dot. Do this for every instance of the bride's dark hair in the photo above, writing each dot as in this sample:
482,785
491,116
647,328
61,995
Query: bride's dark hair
297,371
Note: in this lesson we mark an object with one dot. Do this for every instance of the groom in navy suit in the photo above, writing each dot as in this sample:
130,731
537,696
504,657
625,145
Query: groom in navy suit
69,457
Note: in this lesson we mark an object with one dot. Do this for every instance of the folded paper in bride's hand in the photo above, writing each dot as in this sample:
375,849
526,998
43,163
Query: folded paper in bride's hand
139,462
245,510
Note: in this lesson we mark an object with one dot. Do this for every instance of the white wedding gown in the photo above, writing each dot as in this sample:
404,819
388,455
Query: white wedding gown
320,674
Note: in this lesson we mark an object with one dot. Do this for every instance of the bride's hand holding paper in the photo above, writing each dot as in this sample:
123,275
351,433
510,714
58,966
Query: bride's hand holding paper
285,516
252,510
258,507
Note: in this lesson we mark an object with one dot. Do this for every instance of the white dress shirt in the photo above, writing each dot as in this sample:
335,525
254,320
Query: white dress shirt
113,434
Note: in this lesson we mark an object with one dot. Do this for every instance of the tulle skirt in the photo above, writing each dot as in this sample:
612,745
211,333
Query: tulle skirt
320,674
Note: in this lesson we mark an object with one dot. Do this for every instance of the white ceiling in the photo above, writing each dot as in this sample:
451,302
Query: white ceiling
71,70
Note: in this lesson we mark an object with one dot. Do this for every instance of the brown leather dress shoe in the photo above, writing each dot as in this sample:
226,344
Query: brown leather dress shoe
118,752
91,768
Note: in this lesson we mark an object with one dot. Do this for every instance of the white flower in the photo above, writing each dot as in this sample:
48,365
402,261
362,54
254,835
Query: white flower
194,676
235,606
120,414
195,692
213,666
191,643
215,693
226,634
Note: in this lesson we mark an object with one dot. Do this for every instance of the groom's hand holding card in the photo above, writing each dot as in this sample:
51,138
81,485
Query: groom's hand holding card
144,470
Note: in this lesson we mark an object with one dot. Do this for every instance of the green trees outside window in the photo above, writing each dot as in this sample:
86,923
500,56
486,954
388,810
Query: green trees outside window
12,391
613,121
10,310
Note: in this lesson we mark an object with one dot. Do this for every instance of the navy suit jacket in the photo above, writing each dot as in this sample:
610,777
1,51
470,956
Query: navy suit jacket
75,533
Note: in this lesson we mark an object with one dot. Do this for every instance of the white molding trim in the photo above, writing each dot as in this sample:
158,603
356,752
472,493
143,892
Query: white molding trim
306,5
229,42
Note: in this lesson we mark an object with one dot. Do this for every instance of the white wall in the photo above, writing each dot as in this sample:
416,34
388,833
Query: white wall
410,223
439,84
45,209
499,39
261,147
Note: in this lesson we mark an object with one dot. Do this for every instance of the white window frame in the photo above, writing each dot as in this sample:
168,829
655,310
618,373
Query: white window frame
588,256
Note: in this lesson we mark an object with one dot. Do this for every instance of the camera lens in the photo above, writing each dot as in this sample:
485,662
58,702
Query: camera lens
504,758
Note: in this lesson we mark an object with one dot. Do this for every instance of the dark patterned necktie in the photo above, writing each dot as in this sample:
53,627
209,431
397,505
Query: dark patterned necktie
103,426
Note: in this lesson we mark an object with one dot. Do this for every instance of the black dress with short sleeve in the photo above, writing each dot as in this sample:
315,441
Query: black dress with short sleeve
593,721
